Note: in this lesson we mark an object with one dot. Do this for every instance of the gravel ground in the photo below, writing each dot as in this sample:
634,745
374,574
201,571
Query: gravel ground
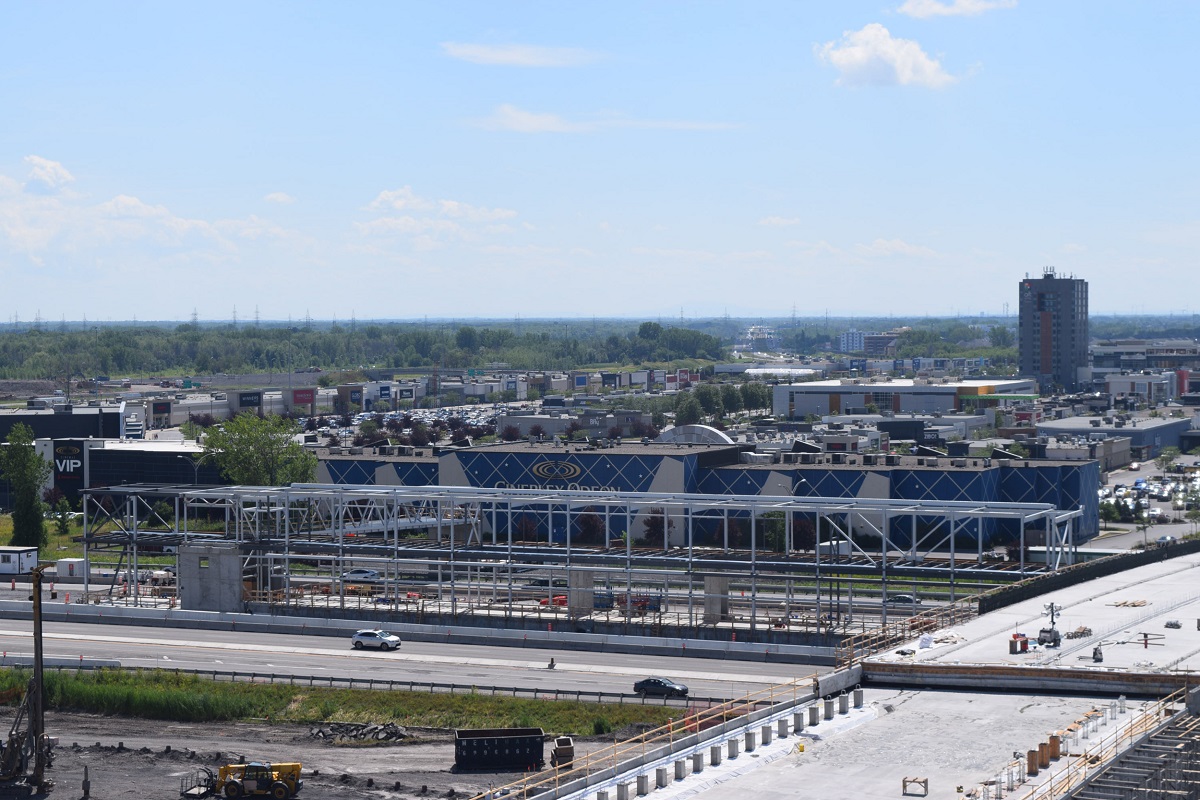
129,758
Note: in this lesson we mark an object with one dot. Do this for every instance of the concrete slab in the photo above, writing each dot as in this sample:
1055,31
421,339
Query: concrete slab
1127,614
952,738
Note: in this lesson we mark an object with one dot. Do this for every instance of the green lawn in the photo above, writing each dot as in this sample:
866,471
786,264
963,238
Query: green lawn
158,694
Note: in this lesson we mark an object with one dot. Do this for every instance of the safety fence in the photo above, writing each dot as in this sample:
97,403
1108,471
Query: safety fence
610,760
1086,761
853,649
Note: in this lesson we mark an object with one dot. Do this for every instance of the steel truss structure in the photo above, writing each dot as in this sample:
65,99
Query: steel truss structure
478,544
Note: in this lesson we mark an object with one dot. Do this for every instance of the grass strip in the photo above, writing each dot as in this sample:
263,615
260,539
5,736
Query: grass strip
160,694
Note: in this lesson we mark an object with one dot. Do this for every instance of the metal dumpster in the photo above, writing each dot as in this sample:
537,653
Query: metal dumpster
499,749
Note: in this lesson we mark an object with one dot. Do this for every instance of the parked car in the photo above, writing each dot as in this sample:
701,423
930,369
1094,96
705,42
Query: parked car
903,600
557,600
381,640
360,575
660,687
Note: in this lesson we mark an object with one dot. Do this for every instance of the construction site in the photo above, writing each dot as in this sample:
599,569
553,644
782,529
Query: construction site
996,675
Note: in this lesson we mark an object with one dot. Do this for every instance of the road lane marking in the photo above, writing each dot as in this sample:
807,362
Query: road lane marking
399,655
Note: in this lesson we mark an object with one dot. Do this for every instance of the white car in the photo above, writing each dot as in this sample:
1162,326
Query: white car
360,575
382,640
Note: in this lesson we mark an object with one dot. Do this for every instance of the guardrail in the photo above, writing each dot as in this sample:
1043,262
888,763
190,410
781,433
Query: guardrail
621,756
1095,758
379,684
853,649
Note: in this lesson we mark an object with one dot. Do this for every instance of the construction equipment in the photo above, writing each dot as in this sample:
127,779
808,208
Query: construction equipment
252,779
1050,637
27,753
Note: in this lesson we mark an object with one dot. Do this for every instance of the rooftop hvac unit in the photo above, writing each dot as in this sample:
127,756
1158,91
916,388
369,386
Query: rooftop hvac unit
958,462
931,461
892,460
807,458
868,460
838,458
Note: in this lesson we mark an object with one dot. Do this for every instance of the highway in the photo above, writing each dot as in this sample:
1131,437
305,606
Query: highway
421,661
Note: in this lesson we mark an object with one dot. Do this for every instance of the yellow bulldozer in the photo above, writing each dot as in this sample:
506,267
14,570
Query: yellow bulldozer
252,779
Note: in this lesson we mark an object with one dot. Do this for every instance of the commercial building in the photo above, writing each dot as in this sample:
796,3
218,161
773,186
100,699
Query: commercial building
722,469
1053,331
1147,437
908,395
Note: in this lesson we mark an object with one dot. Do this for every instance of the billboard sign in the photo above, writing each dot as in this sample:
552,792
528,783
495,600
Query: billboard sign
356,397
581,381
404,394
385,392
68,466
304,396
161,408
249,399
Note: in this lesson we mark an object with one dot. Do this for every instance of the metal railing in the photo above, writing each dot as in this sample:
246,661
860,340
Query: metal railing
610,759
1082,766
379,684
853,649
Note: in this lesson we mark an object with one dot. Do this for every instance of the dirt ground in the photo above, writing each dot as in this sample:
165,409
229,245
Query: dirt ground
146,759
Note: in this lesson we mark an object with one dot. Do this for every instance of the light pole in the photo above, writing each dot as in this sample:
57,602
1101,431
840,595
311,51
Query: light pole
195,464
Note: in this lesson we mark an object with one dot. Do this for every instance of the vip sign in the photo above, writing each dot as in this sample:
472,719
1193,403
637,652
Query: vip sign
67,460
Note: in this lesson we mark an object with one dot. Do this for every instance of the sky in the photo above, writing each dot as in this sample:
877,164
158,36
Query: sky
388,160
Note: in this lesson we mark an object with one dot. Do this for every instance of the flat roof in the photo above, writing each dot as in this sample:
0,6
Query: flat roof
1084,424
910,383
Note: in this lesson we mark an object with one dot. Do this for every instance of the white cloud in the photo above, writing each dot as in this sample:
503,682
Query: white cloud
46,176
780,222
518,55
872,56
453,208
922,9
283,198
64,230
428,224
894,247
1074,247
510,118
675,252
402,199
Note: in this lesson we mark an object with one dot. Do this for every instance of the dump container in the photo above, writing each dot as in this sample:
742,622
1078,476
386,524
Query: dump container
499,749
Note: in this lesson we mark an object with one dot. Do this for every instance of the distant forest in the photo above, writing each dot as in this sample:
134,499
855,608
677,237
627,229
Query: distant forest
54,350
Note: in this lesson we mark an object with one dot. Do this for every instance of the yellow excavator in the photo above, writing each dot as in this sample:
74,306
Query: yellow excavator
252,779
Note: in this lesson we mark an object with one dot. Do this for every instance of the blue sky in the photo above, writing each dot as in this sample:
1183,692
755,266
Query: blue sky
402,160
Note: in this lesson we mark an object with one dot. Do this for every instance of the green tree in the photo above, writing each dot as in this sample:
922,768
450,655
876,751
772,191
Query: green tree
26,472
191,430
260,451
1166,458
62,518
688,412
731,398
709,397
1000,336
1108,513
1193,517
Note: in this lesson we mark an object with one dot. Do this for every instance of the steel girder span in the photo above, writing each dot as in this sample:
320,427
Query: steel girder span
737,533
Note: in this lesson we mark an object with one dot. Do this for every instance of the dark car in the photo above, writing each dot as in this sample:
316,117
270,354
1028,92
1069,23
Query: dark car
903,600
660,687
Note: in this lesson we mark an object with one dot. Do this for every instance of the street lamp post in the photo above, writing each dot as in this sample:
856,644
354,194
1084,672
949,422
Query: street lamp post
195,464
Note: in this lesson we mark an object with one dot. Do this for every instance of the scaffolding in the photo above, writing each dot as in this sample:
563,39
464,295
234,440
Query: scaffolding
790,562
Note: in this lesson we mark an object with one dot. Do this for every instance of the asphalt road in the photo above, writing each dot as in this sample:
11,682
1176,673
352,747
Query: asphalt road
192,649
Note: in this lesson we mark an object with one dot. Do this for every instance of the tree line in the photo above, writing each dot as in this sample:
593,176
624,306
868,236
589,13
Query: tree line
199,350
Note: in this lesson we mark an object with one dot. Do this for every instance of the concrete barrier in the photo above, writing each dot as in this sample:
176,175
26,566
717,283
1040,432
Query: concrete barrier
266,622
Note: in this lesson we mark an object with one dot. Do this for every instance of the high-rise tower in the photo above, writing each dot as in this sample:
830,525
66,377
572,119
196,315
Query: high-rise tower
1053,332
